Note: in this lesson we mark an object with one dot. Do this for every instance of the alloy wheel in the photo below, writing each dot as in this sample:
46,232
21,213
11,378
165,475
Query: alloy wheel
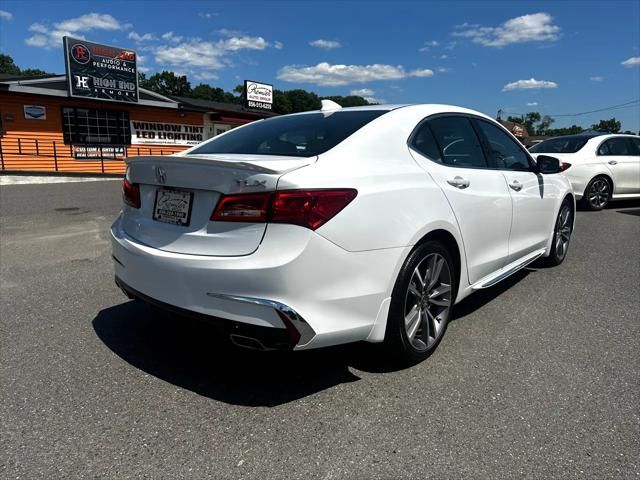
428,302
599,193
563,232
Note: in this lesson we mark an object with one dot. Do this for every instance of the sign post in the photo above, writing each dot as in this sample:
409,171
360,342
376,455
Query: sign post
100,72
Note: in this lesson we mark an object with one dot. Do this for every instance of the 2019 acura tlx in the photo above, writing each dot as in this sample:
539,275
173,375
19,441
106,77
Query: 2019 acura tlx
339,225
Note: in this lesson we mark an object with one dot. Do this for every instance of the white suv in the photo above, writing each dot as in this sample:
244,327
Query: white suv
600,167
339,225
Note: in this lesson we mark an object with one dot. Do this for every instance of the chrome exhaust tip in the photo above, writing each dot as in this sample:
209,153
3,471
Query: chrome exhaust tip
247,342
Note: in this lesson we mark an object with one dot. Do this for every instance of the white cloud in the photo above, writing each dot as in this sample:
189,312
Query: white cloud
532,104
379,101
50,36
327,74
443,70
207,15
143,69
278,45
531,84
536,27
204,54
428,45
147,37
4,15
325,44
91,21
444,56
170,37
205,75
451,45
596,79
631,62
362,92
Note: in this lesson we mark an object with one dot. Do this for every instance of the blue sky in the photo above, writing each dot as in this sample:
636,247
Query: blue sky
552,57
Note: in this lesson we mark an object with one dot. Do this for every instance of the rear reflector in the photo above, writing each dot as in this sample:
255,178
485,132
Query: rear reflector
564,166
131,193
307,208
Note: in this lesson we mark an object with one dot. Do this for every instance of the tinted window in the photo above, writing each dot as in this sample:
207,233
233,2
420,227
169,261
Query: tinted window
504,152
93,126
458,142
614,146
560,145
635,142
426,144
294,135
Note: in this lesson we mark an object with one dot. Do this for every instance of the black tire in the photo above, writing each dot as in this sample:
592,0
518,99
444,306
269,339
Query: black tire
562,231
397,341
597,194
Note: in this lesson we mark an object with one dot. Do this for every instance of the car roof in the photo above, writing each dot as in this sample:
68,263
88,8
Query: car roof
423,108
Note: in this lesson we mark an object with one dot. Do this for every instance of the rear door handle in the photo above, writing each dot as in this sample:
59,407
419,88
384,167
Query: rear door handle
612,162
516,185
459,182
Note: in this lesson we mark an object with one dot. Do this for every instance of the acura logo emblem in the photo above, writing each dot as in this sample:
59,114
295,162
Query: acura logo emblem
161,175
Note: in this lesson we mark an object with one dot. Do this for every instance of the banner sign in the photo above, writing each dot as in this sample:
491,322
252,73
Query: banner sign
258,96
97,152
100,72
35,112
161,133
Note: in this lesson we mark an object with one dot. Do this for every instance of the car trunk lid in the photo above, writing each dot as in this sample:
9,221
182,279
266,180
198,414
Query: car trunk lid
179,194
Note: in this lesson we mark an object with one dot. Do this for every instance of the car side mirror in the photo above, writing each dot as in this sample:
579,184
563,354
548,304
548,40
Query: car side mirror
547,164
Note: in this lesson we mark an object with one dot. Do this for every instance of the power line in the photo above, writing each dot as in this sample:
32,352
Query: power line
612,107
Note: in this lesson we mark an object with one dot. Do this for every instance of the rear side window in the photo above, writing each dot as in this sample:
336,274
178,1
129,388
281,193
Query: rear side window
635,143
303,135
560,145
615,146
503,151
424,142
458,142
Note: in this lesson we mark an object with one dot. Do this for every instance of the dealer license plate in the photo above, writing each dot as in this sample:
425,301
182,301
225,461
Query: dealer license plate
173,206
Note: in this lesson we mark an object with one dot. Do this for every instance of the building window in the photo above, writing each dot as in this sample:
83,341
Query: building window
97,127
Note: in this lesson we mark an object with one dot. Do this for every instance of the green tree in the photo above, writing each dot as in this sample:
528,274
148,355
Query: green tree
303,101
7,66
281,103
167,83
34,72
349,101
610,126
214,94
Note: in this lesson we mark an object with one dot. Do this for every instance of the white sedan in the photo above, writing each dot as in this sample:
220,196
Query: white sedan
339,225
600,167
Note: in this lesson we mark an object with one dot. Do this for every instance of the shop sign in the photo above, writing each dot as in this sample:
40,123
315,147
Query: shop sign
35,112
258,96
97,152
161,133
100,72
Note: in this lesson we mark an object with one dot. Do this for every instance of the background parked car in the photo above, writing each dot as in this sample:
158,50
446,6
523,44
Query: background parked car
600,167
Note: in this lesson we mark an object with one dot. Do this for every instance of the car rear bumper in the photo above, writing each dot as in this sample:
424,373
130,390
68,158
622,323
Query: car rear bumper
303,288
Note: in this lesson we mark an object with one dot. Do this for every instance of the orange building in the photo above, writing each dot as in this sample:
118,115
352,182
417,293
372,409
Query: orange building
43,129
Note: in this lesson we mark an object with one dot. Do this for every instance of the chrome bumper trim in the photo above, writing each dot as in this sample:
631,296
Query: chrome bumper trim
304,329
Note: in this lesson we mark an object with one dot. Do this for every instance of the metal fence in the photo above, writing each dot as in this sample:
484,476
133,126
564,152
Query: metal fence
34,154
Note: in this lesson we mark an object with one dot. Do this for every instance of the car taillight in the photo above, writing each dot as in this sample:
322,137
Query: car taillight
131,193
307,208
564,166
248,207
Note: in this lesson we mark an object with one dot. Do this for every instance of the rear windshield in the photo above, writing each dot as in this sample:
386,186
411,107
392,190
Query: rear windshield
304,135
560,145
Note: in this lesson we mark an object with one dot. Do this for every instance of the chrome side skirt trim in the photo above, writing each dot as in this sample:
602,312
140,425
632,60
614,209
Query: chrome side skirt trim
491,281
306,332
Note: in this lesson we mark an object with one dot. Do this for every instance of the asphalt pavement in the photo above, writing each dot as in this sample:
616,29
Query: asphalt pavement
536,378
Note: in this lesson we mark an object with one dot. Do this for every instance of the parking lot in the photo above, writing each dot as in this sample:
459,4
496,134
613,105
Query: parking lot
538,377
